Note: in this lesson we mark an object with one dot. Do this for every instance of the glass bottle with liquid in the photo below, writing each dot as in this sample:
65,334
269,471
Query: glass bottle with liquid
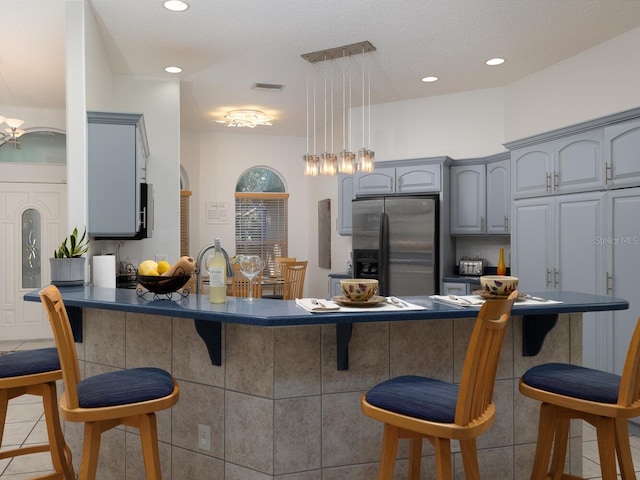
502,268
217,275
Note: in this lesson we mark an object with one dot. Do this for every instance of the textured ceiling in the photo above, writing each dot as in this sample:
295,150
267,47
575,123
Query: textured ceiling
225,46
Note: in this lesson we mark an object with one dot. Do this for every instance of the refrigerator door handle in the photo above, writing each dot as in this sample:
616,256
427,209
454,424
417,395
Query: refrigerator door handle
383,265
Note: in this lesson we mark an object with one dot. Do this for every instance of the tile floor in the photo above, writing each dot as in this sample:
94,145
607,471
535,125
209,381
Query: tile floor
25,425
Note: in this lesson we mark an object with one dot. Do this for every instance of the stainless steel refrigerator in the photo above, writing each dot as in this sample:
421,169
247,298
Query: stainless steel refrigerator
395,240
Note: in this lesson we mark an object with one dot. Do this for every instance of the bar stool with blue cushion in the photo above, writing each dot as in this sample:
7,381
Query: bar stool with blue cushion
34,372
605,400
124,397
417,407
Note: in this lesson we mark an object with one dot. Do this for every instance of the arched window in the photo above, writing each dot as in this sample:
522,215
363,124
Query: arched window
262,222
40,147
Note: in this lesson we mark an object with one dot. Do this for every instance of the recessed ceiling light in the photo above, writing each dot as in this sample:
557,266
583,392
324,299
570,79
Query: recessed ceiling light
173,69
430,79
176,5
495,61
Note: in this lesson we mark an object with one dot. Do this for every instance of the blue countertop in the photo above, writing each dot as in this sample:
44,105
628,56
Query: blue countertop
272,313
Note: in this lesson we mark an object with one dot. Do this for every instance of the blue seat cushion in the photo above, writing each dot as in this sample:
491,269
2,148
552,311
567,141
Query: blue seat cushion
124,387
417,397
29,362
574,381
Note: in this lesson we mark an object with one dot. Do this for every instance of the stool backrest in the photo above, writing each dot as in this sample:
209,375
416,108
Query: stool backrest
629,392
481,361
61,327
293,274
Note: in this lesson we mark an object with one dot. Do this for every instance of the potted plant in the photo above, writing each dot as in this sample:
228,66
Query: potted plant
68,262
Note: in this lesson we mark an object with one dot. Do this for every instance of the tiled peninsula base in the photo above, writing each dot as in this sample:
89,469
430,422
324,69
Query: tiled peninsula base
279,409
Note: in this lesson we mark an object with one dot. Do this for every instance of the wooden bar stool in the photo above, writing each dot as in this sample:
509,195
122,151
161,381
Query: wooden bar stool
605,400
418,407
34,372
293,274
124,397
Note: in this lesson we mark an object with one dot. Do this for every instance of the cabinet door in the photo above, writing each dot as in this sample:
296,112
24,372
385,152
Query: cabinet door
345,195
622,243
531,167
113,181
418,179
468,199
498,197
380,182
622,154
532,242
579,163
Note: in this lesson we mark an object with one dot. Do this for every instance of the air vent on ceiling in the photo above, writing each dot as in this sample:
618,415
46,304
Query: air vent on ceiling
273,87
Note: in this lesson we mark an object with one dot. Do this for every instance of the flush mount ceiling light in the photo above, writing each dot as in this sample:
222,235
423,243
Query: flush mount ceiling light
176,5
346,161
246,118
14,130
429,79
495,61
173,69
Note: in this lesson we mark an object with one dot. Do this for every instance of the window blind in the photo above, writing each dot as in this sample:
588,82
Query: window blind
262,225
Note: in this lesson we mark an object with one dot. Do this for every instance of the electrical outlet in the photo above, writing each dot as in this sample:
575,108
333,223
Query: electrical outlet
204,437
162,256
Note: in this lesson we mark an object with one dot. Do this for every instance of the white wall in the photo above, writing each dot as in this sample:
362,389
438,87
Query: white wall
597,82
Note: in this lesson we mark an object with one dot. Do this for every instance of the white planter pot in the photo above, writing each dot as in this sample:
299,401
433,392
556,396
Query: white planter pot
67,272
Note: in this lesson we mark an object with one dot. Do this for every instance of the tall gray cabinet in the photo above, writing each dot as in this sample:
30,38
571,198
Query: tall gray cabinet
576,217
117,191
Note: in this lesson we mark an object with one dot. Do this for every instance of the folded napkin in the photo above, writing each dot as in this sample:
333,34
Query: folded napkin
460,300
392,304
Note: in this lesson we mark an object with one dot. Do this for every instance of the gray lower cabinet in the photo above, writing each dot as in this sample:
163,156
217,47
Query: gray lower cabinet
117,153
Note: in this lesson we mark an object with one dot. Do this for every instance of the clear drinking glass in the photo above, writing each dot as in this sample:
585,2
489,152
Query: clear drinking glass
250,266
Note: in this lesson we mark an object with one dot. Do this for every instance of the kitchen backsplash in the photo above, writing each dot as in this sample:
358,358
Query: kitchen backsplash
487,247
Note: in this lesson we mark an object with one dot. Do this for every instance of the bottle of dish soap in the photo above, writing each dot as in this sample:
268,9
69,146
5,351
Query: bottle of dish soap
502,268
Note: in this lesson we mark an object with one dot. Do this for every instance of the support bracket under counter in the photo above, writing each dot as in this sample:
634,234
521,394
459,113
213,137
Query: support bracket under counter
534,330
211,334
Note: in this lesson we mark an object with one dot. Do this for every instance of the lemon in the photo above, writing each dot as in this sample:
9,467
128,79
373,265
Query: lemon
163,266
148,267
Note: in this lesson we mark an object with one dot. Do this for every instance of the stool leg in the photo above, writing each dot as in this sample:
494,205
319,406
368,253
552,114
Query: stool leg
389,452
470,459
443,458
90,451
4,405
546,431
149,439
559,447
623,449
61,462
605,429
415,457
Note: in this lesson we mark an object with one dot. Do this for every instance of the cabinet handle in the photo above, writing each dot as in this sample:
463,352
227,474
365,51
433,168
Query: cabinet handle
548,186
143,215
391,182
506,223
481,223
609,283
608,173
556,274
548,277
556,182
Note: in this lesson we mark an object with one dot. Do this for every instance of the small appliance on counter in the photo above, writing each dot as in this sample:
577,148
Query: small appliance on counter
471,266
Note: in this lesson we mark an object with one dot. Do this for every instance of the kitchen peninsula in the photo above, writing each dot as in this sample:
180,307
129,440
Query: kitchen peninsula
279,406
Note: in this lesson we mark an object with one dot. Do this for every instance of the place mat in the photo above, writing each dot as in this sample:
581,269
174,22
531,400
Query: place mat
477,300
328,306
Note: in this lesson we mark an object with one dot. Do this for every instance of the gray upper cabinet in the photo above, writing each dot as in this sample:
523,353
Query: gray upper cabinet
499,197
622,154
345,195
399,179
117,153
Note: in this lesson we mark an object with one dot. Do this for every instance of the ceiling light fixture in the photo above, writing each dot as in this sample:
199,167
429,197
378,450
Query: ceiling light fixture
346,162
14,130
495,61
246,118
173,69
176,5
430,79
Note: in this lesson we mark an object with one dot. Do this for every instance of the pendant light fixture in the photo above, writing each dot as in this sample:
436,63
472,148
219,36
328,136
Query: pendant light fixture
345,162
14,131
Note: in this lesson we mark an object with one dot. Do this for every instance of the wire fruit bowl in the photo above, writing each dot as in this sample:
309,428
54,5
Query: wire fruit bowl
162,285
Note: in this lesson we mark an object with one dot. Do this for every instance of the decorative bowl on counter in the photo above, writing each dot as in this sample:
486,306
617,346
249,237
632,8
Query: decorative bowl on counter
163,285
498,285
359,289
